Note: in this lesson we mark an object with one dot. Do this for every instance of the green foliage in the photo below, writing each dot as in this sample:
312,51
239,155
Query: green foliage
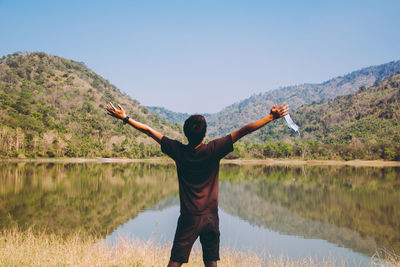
389,153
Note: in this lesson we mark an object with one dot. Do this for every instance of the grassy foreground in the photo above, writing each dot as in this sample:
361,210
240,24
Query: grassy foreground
26,248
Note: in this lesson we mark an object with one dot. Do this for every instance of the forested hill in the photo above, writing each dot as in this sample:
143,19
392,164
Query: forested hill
53,107
253,108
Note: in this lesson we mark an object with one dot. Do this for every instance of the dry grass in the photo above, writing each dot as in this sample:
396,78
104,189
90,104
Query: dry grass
26,248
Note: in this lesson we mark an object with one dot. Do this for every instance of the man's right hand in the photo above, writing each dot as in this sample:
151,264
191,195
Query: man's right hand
277,113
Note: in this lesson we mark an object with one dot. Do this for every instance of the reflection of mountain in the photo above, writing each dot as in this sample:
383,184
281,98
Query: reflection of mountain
239,200
326,202
167,203
80,197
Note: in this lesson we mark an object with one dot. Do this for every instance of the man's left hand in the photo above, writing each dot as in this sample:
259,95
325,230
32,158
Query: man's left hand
116,113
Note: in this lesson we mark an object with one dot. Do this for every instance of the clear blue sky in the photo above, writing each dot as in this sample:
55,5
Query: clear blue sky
200,56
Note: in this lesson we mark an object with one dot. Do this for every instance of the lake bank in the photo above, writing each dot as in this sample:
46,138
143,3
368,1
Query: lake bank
354,163
28,248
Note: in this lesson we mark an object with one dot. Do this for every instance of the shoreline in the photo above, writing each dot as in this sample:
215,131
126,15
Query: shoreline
286,162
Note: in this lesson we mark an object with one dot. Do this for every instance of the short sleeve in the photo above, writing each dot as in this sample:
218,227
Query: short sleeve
223,146
169,147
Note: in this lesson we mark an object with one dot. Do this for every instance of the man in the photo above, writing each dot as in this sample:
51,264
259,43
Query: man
197,167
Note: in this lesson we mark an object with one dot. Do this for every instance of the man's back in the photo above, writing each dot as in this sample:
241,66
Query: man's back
198,170
197,166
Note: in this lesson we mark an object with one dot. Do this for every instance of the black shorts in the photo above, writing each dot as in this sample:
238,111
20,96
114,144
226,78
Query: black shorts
188,229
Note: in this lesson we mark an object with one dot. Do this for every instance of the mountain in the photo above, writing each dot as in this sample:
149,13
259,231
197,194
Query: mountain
254,107
54,107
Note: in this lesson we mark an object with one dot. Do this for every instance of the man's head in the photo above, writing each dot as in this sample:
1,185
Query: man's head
195,128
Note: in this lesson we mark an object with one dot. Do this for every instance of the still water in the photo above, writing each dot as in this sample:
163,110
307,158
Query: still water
324,212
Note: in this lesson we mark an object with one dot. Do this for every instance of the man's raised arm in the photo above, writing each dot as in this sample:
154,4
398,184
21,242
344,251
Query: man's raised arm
120,114
275,113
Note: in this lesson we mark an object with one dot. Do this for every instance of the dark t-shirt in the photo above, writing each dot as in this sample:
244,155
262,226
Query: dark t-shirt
198,172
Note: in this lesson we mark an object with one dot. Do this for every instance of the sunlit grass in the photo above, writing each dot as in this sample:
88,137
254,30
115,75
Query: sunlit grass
29,248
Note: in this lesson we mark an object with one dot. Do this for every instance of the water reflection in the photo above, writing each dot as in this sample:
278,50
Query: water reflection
352,207
95,198
159,225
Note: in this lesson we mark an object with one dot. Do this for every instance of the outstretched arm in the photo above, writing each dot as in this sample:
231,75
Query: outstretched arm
120,114
275,113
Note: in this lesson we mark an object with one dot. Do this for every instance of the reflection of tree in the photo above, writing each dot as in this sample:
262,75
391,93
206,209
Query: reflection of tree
81,197
318,202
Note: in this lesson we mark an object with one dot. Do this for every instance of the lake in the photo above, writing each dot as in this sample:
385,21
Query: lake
335,212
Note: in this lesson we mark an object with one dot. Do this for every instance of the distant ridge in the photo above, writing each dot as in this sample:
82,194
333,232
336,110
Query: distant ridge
169,115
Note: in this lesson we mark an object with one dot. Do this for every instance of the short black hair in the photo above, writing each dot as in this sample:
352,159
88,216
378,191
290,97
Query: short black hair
195,128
